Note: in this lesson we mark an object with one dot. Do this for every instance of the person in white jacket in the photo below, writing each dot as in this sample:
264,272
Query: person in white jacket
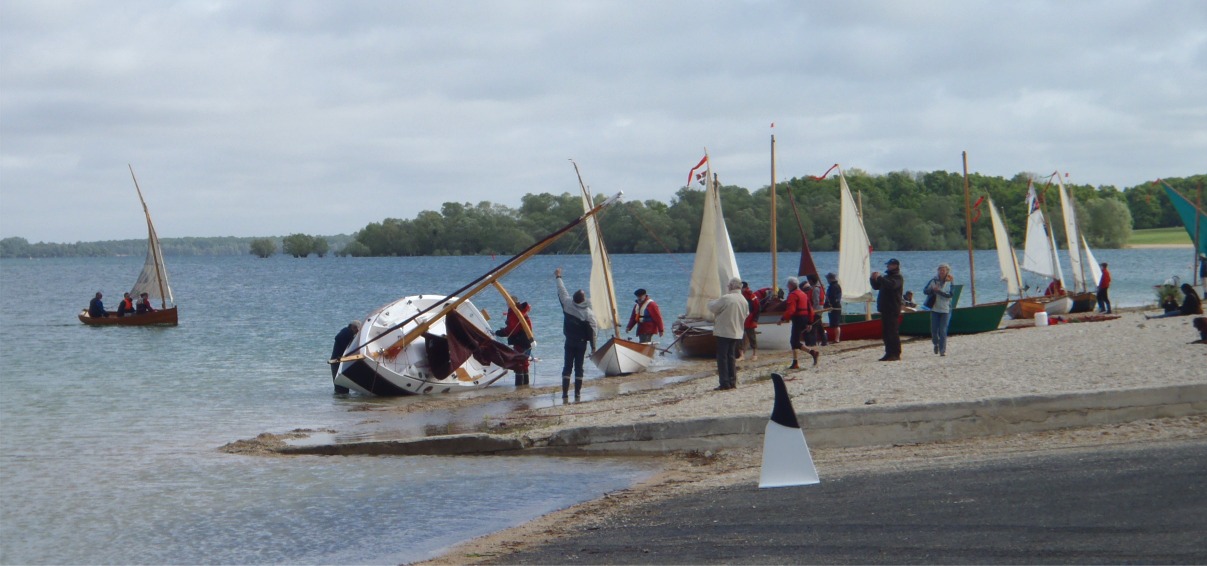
730,310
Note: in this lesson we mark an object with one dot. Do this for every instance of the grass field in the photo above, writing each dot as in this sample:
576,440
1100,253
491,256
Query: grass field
1160,237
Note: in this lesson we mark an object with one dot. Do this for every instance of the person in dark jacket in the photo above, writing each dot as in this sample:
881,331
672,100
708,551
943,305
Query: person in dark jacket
578,326
144,305
834,303
1191,304
519,339
345,337
126,306
96,308
888,302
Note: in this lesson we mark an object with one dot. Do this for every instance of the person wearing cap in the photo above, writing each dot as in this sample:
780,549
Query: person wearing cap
578,326
646,317
834,303
345,337
1104,284
144,304
888,302
798,311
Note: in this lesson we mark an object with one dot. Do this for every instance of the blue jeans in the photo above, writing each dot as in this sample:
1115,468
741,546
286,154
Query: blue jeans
938,329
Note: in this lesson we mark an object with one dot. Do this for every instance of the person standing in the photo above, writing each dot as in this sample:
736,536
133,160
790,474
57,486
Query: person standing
888,302
834,303
799,312
817,296
751,326
1104,284
646,317
342,339
96,307
578,326
938,293
519,339
731,311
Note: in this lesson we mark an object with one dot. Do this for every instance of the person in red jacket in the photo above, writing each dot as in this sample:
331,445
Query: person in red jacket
752,323
1104,298
646,317
799,311
519,339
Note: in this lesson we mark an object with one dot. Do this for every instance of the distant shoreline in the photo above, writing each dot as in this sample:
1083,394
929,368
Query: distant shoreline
1188,246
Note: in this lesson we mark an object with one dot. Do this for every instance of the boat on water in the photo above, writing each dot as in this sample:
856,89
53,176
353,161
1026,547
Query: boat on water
152,280
715,264
430,344
617,355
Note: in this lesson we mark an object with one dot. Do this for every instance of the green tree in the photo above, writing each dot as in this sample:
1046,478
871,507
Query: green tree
355,249
1106,223
263,247
321,246
297,245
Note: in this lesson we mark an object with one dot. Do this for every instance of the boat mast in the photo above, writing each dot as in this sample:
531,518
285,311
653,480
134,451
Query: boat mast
774,247
968,229
152,241
602,251
1198,216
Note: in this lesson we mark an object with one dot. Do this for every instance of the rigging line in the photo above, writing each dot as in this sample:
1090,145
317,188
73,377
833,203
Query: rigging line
655,236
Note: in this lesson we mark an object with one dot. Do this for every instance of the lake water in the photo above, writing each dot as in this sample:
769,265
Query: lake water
109,436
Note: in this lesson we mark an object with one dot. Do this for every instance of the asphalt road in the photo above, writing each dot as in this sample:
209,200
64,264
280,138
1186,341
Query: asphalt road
1134,504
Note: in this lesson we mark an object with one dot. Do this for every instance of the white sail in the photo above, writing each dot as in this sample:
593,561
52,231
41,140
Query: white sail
603,297
854,250
153,280
1072,236
1038,256
1005,253
1093,268
715,262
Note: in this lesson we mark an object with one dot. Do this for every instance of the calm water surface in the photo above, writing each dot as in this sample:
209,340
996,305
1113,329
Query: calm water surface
108,451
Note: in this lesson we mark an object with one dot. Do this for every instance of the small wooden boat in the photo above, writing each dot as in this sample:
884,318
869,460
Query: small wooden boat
694,338
976,319
858,330
152,280
1083,302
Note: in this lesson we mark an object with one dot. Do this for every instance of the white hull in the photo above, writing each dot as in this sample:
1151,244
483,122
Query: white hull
407,371
774,336
621,357
1060,305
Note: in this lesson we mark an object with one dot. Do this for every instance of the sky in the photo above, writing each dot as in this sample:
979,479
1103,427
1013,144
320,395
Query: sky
268,118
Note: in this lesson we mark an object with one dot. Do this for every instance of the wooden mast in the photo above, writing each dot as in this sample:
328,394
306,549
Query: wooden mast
603,251
152,241
968,229
774,247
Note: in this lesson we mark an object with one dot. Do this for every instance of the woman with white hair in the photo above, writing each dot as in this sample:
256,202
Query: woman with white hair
730,310
938,298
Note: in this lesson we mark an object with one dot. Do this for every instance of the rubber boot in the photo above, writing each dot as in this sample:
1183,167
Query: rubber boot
565,387
578,387
519,379
527,379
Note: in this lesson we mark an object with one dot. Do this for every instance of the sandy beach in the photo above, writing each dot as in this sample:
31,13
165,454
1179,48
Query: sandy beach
1123,353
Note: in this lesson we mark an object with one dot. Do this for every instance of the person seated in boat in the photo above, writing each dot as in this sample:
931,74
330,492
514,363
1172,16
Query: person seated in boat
646,318
126,307
518,339
908,300
1191,304
96,308
144,305
1055,289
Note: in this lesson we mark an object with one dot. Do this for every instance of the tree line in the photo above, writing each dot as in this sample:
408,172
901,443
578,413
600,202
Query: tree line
901,211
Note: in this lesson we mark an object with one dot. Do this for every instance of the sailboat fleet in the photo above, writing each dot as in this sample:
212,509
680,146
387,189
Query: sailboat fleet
434,343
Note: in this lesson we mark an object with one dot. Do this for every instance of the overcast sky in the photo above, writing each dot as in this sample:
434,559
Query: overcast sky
250,118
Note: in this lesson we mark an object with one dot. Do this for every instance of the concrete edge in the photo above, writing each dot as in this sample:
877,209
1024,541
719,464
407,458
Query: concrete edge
868,425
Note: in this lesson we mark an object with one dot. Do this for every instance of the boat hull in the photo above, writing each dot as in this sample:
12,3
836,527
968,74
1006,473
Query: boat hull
162,317
1024,309
964,320
1083,302
860,330
622,357
694,339
378,369
1059,305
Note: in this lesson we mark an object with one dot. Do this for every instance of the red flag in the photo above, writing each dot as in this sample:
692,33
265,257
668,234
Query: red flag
977,207
826,174
691,173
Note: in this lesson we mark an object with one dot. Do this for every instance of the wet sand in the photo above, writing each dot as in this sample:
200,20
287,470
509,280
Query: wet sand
1123,353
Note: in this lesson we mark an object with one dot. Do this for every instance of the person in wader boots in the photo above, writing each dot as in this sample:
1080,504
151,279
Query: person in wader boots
345,337
518,339
578,325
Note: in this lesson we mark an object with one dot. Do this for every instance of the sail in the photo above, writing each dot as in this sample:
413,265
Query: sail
603,298
1005,253
1072,236
1193,217
1038,256
854,250
1095,271
153,279
715,262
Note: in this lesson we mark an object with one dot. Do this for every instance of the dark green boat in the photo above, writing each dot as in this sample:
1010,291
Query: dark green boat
964,320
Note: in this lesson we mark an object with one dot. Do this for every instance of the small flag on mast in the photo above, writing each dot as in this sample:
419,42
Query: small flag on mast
692,173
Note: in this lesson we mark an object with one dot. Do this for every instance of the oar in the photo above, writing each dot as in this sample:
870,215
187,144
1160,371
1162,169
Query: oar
676,341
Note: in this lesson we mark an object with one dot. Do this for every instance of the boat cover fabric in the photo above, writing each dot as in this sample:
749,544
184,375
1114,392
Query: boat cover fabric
463,340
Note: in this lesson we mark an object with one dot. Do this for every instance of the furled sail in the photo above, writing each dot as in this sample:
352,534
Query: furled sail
1005,253
715,262
153,280
1072,236
854,250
